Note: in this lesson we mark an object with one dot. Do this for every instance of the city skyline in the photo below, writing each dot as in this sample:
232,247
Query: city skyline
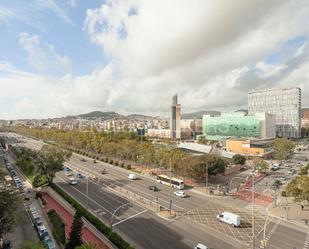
58,59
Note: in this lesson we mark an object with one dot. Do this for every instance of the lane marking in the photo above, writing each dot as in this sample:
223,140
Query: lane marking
87,197
132,216
306,244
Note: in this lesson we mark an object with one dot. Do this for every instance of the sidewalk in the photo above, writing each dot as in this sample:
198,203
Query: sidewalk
294,213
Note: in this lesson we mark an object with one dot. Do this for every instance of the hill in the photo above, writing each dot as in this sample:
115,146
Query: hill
99,114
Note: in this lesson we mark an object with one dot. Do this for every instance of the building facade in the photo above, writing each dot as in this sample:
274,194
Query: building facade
175,118
285,103
250,147
239,125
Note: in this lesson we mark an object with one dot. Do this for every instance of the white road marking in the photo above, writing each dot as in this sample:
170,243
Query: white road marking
132,216
306,244
89,198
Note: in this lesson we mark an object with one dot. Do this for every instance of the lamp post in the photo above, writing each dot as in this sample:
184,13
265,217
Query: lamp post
115,211
170,189
253,211
87,191
263,242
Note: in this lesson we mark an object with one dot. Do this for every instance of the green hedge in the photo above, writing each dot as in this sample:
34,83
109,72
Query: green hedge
58,226
104,229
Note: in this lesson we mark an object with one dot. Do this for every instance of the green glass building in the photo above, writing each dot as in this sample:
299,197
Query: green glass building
231,125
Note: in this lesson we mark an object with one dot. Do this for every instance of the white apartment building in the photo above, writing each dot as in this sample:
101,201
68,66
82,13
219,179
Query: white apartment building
285,103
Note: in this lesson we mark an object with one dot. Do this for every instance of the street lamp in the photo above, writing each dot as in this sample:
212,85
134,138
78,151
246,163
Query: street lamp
115,211
253,211
263,242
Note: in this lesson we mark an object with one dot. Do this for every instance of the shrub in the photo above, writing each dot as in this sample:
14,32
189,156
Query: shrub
58,226
122,165
116,163
111,161
103,228
129,166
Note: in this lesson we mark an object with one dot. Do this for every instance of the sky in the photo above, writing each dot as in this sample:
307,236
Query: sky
61,57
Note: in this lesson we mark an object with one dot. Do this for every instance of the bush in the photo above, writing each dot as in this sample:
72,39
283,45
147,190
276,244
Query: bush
122,165
58,226
128,166
116,163
97,158
111,161
112,236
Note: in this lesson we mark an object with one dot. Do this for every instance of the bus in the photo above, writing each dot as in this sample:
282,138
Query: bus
176,183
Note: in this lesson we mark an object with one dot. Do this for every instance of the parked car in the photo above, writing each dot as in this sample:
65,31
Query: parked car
83,160
153,188
181,194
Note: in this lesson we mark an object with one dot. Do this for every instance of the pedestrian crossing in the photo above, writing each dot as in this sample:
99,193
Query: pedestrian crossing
306,244
271,232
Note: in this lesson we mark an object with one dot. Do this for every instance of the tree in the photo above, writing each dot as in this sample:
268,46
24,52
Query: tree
8,211
304,170
50,160
87,246
239,159
29,244
284,148
75,238
299,188
260,165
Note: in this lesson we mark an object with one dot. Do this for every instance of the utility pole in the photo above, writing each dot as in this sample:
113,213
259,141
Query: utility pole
253,205
206,175
170,190
87,192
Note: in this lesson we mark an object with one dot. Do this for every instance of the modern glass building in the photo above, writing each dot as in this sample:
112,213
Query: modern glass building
285,103
238,125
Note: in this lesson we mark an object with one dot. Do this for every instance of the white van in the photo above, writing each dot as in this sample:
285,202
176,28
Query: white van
132,176
229,218
200,246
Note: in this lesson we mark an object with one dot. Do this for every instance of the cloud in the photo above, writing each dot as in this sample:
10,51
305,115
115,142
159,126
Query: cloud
42,56
212,53
54,7
73,3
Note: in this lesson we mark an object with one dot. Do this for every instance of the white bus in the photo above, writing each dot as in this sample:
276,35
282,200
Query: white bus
176,183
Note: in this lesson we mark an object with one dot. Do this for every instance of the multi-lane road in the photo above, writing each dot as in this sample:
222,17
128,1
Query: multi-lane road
196,220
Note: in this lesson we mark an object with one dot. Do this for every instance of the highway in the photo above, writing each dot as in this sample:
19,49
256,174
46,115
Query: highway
196,220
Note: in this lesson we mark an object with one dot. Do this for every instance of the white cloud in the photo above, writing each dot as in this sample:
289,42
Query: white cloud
210,52
54,7
73,3
42,56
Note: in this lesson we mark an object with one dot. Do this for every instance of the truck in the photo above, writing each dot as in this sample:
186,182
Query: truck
229,218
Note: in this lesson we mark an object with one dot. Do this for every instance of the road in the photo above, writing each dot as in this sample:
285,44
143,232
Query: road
196,214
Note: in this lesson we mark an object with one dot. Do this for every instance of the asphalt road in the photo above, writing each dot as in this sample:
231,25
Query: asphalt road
145,229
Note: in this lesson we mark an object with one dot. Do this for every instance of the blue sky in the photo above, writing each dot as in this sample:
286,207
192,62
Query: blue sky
61,57
67,36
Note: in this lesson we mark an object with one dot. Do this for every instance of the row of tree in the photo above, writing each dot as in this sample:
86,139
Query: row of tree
127,148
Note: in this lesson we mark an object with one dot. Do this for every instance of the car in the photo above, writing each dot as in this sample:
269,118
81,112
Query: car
282,178
291,171
79,175
72,181
68,173
67,169
83,160
181,194
7,244
153,188
132,176
201,246
275,168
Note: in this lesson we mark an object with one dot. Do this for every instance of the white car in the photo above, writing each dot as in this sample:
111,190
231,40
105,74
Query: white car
181,194
132,176
68,173
72,181
200,246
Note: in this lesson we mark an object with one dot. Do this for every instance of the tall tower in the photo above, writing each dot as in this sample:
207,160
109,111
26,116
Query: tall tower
175,118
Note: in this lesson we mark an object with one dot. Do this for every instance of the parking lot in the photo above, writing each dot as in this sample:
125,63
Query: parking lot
207,216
